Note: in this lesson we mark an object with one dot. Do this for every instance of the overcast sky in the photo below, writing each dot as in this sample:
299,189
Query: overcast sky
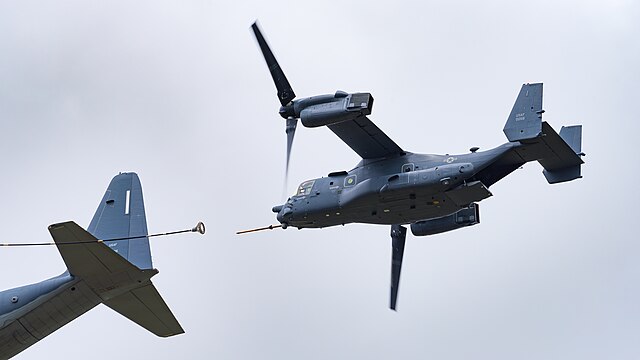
179,93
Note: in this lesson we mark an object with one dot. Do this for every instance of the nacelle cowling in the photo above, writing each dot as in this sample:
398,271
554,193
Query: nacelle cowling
465,217
329,109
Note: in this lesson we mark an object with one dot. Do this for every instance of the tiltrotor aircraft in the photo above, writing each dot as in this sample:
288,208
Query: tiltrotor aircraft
391,186
115,273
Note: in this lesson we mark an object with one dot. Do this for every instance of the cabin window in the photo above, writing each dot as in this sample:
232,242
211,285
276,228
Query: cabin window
305,188
408,167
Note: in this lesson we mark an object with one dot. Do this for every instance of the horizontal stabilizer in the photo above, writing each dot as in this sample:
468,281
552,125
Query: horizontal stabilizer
86,259
145,307
562,175
564,162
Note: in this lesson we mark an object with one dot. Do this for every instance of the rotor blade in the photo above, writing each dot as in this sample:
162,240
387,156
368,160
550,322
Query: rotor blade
398,236
291,132
285,92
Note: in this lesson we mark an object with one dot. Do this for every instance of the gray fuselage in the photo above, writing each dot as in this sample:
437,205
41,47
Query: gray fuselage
398,190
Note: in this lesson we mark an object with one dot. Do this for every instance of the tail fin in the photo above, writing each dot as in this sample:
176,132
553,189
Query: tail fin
525,120
121,214
572,135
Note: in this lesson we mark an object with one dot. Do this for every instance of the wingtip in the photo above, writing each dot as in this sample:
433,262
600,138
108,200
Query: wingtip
180,332
59,225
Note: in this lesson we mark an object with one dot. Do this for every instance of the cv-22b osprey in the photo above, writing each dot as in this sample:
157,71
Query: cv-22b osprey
391,186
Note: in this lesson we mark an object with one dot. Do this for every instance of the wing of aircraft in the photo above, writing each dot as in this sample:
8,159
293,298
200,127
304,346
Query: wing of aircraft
365,138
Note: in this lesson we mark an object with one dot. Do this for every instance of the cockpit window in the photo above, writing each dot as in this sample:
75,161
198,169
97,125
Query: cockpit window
305,188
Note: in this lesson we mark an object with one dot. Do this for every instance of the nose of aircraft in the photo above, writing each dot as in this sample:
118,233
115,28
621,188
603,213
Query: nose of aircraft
283,212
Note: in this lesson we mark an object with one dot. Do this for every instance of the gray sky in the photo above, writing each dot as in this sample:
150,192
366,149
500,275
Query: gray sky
179,93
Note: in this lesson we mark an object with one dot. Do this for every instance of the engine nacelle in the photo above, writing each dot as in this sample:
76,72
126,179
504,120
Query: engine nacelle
332,109
465,217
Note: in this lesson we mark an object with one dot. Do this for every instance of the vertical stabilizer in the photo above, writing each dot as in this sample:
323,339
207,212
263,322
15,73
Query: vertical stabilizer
572,135
121,214
525,120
